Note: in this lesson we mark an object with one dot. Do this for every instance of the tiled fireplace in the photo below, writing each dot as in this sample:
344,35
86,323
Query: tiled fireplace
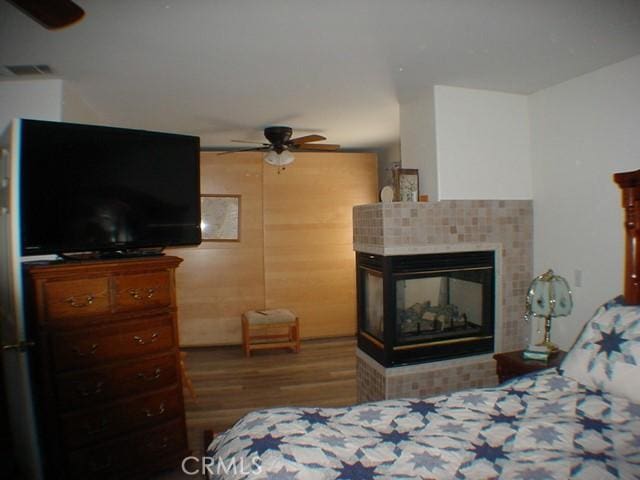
416,344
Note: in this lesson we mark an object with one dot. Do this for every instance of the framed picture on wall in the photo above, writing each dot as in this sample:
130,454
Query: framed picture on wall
220,218
406,185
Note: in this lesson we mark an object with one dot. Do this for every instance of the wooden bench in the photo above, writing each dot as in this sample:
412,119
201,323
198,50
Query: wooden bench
277,328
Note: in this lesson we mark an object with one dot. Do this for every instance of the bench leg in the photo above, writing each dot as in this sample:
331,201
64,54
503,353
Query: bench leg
296,335
245,337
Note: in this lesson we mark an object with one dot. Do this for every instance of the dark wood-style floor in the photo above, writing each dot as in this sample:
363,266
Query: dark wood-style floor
228,385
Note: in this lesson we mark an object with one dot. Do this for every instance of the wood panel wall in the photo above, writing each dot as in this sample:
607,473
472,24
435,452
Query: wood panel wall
219,280
308,238
295,251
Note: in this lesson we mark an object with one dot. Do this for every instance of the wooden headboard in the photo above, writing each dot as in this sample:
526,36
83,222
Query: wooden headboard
629,182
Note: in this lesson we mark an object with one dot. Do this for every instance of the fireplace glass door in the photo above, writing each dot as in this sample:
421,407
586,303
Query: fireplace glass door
425,307
373,304
441,305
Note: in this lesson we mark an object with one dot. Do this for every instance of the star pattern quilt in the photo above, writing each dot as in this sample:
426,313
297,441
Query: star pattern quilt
606,355
537,427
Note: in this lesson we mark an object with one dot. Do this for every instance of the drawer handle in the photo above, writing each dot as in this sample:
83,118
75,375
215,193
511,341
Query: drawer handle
96,466
141,341
150,378
85,392
136,293
90,352
99,428
80,304
160,411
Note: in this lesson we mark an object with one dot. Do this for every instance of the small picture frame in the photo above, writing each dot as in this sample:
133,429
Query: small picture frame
220,218
406,185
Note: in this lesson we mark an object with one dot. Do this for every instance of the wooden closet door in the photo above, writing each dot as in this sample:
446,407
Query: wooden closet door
308,237
220,280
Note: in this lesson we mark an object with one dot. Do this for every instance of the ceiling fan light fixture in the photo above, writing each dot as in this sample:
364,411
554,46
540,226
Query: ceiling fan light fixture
279,159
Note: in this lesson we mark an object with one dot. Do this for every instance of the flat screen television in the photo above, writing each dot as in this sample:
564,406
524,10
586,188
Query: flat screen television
112,191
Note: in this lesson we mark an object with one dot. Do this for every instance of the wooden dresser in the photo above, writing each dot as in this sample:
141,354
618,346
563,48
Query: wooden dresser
109,392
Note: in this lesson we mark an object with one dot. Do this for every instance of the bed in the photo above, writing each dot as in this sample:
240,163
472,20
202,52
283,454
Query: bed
579,421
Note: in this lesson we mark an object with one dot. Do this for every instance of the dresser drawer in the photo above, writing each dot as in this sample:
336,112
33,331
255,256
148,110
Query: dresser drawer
142,291
164,442
94,425
86,348
100,385
107,461
164,445
66,300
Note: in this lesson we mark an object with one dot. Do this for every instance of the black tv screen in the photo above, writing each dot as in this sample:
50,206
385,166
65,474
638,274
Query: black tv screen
87,188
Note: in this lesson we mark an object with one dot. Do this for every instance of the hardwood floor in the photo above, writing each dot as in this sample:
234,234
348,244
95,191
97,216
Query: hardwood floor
228,385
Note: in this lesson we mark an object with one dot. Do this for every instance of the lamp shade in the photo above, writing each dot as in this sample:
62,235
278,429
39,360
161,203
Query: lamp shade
279,159
549,296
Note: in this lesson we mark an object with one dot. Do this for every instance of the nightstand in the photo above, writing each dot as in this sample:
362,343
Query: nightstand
511,364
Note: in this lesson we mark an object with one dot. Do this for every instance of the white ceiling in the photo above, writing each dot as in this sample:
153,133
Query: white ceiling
225,69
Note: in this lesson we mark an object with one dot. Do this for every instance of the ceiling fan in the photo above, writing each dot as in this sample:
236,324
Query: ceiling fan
51,14
280,146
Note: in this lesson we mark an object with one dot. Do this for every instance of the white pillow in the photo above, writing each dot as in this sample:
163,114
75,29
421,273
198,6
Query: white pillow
606,355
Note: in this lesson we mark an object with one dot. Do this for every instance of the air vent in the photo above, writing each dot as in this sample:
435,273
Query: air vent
21,70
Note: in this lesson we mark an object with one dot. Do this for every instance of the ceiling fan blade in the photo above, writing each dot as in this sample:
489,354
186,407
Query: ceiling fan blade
306,139
52,14
238,150
249,141
320,147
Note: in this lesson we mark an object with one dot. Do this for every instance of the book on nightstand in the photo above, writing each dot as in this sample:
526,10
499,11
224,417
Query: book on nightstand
539,353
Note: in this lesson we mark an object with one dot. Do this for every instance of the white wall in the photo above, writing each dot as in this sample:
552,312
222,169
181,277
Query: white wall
418,141
44,99
36,99
388,157
583,131
483,144
75,109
